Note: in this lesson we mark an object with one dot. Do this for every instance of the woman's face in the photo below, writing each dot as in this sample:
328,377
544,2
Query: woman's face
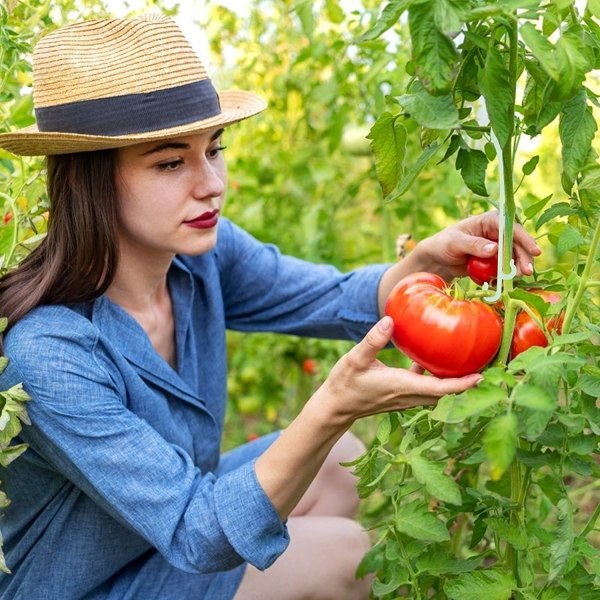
171,193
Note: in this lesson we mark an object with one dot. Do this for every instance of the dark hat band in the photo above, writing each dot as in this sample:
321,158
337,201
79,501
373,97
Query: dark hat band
133,113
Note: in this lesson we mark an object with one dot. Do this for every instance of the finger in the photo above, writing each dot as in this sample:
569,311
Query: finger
425,385
526,241
523,261
365,352
416,368
476,246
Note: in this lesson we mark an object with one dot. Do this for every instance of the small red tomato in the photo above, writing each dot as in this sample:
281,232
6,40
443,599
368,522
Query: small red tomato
7,217
483,270
527,332
447,336
252,436
310,366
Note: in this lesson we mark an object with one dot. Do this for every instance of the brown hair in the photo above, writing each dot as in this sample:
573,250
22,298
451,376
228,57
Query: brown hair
77,260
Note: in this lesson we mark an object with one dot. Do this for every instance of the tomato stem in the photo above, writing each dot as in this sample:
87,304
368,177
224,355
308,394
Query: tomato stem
574,303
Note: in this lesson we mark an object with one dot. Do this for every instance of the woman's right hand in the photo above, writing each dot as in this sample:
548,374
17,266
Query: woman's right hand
359,385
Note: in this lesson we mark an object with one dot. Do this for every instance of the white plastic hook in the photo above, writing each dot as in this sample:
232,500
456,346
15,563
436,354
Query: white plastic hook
502,276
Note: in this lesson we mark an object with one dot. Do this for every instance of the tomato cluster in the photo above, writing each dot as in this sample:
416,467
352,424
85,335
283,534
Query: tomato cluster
451,337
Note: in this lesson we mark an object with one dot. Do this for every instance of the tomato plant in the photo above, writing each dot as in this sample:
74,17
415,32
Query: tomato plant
483,269
448,336
495,493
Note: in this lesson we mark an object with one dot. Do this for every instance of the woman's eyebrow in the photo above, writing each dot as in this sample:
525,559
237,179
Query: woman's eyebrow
172,145
166,146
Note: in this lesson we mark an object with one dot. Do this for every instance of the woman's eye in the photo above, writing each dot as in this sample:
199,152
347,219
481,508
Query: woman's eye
216,151
170,166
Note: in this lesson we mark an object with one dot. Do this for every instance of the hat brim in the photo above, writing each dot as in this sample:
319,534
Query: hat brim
236,105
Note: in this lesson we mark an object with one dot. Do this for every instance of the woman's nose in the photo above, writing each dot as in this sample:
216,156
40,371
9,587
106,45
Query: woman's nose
210,181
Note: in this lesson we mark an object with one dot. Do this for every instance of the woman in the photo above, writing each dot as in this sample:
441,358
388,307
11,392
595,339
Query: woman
117,330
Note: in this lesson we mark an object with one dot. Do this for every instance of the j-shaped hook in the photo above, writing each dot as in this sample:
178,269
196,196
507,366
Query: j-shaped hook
502,276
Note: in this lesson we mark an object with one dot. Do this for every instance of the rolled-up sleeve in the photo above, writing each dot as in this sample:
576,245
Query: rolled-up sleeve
82,428
265,290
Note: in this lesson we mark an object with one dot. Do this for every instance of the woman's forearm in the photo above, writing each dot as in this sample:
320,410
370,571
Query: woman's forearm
291,463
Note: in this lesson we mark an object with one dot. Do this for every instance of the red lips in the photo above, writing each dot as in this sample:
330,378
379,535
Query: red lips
206,220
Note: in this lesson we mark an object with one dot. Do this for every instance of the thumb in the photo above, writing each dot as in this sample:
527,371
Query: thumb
365,352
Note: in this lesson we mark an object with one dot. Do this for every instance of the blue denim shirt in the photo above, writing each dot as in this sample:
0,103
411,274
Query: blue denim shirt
124,458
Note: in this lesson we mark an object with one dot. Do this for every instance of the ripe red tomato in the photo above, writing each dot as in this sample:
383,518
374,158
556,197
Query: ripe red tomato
447,336
527,332
310,366
483,270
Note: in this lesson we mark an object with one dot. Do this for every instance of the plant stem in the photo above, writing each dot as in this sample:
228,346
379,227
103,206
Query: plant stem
510,314
576,301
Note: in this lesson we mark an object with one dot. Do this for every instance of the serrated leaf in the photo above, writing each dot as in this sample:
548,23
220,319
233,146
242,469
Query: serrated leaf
490,584
498,91
384,430
452,148
417,522
569,239
541,48
589,384
388,143
561,547
388,18
439,562
500,443
560,209
572,63
448,15
431,475
577,128
433,52
457,408
473,165
534,397
515,536
435,112
412,173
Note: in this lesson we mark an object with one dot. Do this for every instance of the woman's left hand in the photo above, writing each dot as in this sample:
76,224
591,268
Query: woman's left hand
448,250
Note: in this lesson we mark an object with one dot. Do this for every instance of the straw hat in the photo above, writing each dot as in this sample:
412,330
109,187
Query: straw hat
116,82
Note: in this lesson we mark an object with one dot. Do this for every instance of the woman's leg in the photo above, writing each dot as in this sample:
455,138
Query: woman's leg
326,544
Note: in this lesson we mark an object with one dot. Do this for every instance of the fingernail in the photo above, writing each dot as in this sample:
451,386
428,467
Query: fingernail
530,268
489,248
385,324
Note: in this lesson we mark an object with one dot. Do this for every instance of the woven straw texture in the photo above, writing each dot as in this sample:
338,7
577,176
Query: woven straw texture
116,57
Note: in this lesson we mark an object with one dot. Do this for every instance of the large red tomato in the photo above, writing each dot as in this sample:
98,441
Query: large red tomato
446,336
527,332
482,270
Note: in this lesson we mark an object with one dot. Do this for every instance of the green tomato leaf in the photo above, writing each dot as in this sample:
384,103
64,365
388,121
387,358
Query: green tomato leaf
491,584
435,481
560,209
457,408
438,562
388,143
515,536
388,18
542,49
498,91
569,239
573,64
562,546
577,129
417,522
472,165
412,173
589,384
535,208
530,166
500,443
433,52
435,112
534,397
